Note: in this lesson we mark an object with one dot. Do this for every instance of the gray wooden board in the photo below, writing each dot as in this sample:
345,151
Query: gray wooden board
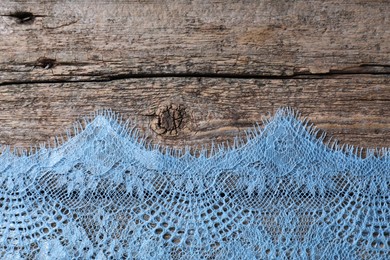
100,39
194,111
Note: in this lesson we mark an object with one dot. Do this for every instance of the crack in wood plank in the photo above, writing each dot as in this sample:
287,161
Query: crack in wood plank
351,71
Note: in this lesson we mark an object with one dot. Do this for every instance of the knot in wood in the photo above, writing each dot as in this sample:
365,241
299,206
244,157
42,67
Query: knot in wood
169,119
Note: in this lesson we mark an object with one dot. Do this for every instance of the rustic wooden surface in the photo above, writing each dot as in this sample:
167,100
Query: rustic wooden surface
194,71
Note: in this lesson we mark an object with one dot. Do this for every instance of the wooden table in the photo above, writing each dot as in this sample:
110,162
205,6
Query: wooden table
190,72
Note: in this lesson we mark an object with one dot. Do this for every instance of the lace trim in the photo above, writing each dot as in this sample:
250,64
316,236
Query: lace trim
105,193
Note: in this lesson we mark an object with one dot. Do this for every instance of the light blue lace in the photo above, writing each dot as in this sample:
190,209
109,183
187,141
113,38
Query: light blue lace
282,194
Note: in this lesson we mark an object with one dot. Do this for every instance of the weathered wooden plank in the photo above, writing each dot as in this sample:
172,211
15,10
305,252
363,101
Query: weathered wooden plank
353,110
92,40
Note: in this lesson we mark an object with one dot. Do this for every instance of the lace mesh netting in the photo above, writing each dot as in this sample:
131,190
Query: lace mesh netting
105,194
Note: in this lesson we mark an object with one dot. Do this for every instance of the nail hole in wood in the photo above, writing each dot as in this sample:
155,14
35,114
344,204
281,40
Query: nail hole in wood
46,63
23,17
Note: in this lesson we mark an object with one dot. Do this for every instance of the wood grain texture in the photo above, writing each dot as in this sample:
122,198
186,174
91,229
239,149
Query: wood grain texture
352,110
101,39
195,71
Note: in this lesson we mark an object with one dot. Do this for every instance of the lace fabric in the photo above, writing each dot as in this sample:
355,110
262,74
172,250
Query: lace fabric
105,194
